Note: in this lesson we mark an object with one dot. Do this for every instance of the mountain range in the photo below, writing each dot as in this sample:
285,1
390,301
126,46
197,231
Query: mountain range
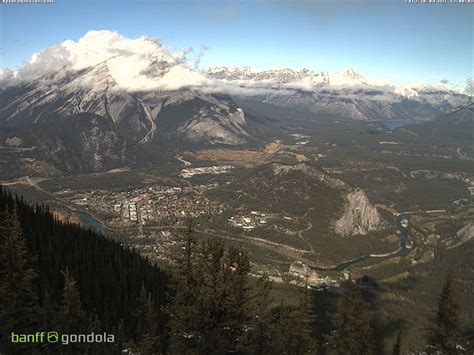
345,94
82,112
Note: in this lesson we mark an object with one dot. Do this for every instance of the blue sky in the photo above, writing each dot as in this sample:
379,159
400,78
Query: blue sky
383,39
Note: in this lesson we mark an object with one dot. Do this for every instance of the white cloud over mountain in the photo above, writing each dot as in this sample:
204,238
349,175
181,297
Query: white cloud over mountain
144,64
134,64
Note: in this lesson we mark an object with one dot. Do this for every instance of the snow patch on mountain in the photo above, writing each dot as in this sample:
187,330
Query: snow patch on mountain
347,81
134,64
104,73
228,129
144,64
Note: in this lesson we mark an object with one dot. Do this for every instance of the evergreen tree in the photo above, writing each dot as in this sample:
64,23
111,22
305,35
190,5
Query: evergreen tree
397,348
49,314
351,332
147,330
298,323
49,320
95,326
183,310
19,311
302,326
444,331
121,336
72,317
260,336
214,309
223,297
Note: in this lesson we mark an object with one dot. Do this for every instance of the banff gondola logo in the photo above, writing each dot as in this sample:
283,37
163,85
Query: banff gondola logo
64,339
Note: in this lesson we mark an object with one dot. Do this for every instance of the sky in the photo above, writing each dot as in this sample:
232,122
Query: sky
387,39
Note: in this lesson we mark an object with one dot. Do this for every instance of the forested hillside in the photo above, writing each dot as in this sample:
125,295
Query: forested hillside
53,262
57,276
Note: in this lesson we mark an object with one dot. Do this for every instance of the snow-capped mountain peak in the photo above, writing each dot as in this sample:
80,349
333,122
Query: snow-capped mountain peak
103,65
350,74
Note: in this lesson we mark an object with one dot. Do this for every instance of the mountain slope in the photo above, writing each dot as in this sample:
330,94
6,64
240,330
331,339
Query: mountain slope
303,190
454,129
77,127
139,103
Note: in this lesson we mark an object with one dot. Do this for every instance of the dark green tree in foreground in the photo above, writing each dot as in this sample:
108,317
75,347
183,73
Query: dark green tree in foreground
183,311
19,310
148,339
72,317
351,332
96,293
444,330
397,348
209,313
217,308
298,324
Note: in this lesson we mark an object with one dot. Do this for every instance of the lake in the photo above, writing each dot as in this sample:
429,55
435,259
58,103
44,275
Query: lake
398,123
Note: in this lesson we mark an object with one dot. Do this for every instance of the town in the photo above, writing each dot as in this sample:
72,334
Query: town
147,206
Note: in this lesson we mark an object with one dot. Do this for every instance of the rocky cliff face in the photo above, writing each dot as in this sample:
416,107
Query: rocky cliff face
359,217
467,231
462,236
82,142
205,120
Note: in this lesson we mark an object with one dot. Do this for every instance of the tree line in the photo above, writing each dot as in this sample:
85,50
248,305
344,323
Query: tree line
58,276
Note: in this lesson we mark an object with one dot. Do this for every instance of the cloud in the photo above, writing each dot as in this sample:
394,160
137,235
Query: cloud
199,56
444,81
470,86
133,64
108,60
6,77
117,62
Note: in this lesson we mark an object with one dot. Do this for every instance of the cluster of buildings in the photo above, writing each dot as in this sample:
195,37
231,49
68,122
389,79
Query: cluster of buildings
132,212
249,221
155,205
215,169
471,190
301,274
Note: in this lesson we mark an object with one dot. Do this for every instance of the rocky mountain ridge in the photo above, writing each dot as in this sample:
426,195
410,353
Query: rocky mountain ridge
147,96
358,217
332,206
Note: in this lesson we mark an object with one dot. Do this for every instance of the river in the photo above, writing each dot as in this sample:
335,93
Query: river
92,222
401,231
402,234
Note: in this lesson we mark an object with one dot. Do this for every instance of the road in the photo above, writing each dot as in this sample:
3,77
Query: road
279,248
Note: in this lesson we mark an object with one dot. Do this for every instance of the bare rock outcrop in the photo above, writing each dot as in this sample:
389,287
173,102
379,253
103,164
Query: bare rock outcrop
462,236
360,216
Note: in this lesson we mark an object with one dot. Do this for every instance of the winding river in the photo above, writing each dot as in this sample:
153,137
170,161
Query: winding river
402,234
94,223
